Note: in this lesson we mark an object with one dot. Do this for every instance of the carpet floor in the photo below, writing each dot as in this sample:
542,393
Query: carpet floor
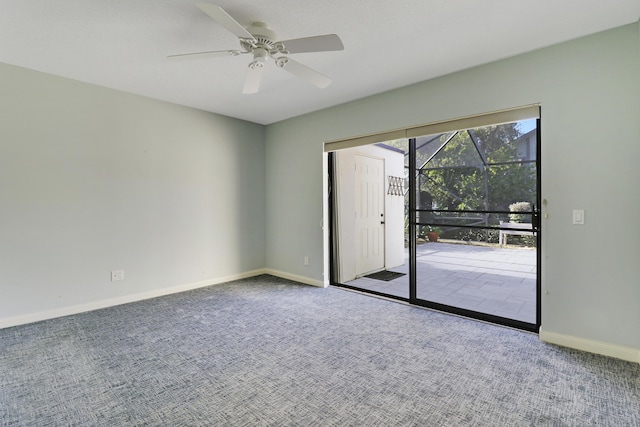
269,352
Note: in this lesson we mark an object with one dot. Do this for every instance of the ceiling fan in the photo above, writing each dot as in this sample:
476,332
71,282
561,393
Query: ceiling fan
261,42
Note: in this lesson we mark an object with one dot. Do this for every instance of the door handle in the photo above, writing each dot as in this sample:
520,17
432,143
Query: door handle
381,222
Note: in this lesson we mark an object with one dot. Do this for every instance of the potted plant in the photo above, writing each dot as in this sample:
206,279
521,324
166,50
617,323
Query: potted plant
433,233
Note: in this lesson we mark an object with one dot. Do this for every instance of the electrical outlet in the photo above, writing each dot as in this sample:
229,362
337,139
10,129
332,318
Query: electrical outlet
306,260
117,275
578,216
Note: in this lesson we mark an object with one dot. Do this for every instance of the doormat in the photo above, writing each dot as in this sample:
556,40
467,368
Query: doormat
385,275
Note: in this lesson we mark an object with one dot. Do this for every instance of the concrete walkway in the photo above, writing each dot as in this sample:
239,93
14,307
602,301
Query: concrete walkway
499,281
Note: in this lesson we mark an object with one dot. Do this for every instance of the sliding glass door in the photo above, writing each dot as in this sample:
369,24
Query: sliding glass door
475,234
446,219
370,223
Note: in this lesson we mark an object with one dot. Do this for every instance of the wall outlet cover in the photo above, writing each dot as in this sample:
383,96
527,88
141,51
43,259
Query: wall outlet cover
117,275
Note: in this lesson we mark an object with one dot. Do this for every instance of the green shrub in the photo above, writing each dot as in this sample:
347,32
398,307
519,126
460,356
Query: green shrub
473,235
520,207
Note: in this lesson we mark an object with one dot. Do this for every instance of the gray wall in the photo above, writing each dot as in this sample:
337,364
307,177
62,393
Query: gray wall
93,180
589,90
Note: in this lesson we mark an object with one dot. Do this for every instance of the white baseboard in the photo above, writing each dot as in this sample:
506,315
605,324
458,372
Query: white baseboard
296,278
598,347
96,305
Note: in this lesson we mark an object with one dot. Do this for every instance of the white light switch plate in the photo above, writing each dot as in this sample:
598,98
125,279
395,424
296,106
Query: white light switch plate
578,216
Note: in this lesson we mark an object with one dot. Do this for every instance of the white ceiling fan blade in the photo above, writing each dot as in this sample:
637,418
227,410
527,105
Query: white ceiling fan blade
252,80
324,43
297,69
224,19
211,54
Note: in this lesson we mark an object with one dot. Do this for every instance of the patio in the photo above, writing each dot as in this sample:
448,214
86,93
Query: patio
492,280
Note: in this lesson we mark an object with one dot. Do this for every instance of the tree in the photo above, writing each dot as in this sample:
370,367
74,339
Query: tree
477,169
471,170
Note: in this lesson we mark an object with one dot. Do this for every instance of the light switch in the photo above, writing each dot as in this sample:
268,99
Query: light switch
578,216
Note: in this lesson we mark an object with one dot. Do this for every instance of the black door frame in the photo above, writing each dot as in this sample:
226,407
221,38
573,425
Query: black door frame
413,223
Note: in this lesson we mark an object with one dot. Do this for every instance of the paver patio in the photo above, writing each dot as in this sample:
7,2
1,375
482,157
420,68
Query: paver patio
492,280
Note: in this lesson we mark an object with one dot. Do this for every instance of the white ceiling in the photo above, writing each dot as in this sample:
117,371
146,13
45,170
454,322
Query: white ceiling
123,44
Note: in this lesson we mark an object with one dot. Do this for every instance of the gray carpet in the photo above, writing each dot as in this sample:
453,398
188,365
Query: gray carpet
269,352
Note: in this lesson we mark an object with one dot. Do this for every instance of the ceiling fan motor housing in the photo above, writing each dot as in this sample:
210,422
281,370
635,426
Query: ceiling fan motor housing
263,38
259,30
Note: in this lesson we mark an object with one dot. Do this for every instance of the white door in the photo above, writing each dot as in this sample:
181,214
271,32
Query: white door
369,204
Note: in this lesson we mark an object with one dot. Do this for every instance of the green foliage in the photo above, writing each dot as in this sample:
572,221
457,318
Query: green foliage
528,241
519,207
475,235
458,179
457,175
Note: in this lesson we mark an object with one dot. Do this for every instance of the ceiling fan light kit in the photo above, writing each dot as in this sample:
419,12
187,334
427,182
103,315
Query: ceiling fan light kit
260,41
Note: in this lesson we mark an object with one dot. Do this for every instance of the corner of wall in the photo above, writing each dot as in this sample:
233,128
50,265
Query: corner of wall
297,278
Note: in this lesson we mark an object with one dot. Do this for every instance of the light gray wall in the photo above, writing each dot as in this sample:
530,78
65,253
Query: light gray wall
93,180
589,90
